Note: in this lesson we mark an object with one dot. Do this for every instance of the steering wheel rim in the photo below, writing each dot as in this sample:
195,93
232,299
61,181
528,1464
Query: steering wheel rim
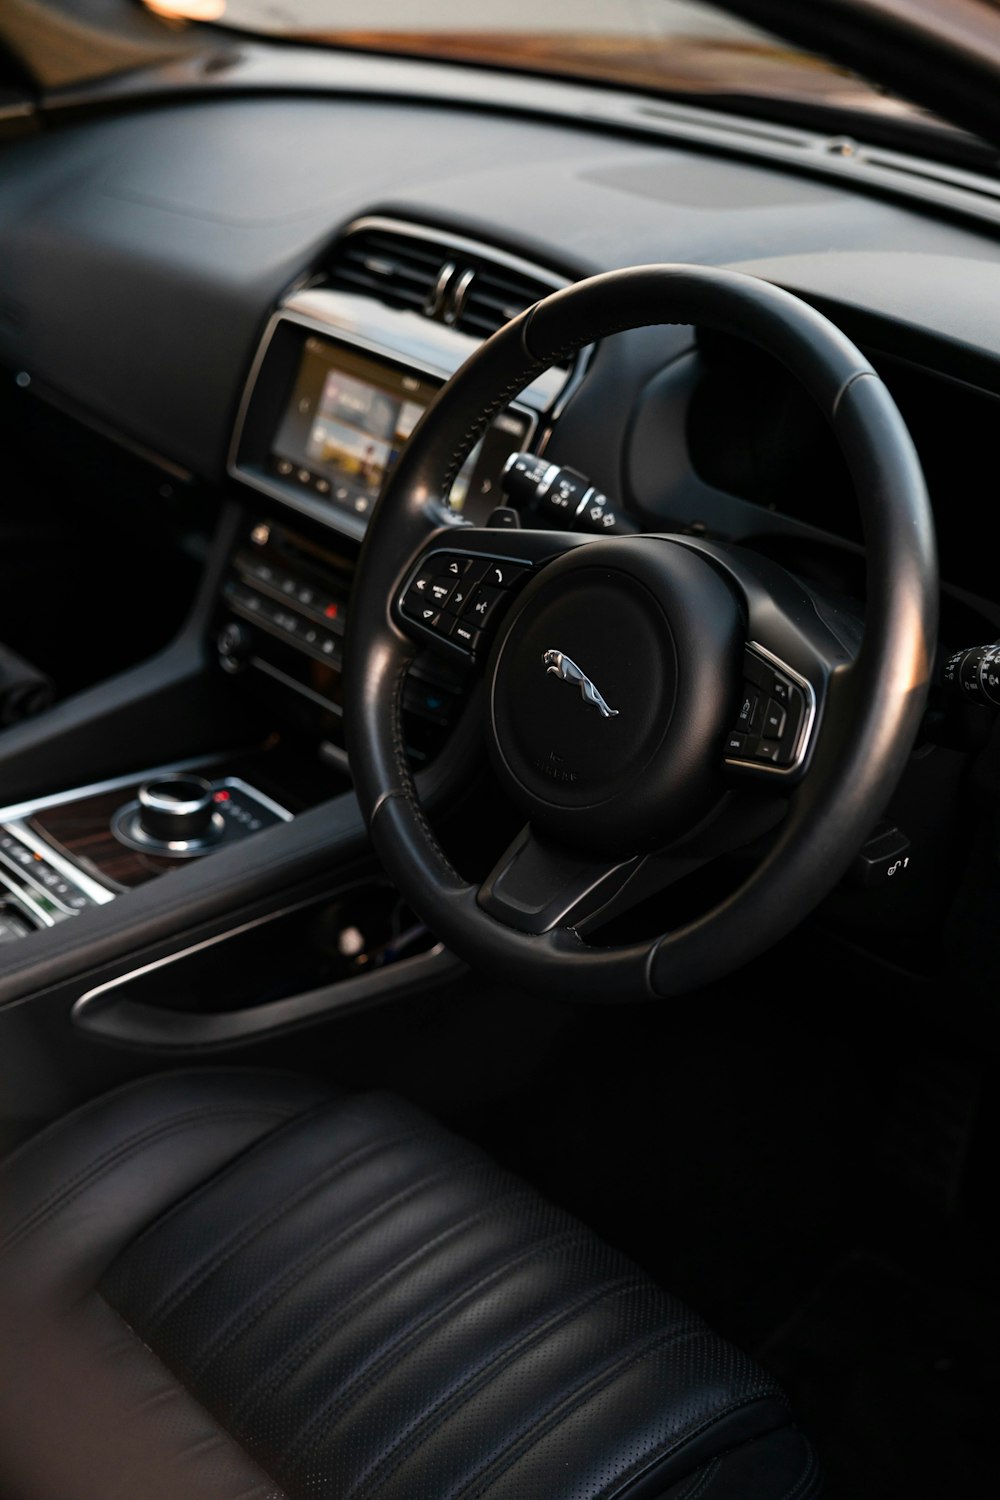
874,705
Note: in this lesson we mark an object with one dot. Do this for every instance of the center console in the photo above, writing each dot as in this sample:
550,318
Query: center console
347,367
345,371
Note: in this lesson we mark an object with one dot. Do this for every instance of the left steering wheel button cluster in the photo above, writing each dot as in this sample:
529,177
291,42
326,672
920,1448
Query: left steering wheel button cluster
458,597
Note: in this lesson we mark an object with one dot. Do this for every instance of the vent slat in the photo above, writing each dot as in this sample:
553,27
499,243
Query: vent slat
405,272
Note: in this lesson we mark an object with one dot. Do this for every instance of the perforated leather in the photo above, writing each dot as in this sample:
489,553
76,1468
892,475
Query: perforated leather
284,1292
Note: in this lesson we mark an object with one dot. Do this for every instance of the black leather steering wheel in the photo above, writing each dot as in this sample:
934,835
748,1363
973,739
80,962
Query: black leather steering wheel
617,670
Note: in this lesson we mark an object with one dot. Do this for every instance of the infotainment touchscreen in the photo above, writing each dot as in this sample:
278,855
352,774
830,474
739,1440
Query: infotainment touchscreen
349,415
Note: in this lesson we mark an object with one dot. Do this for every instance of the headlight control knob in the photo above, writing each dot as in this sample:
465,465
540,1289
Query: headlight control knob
975,673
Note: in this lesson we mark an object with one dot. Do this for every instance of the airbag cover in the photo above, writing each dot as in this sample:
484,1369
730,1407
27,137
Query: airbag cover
611,689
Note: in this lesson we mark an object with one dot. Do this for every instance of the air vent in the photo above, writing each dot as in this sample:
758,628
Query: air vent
448,281
394,269
491,298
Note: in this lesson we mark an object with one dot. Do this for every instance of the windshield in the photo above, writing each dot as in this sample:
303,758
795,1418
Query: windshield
672,47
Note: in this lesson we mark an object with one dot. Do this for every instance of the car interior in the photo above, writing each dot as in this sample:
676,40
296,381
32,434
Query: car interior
499,797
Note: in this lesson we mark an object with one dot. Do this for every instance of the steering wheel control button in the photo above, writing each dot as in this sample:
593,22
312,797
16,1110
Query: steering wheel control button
482,606
749,715
774,721
458,597
772,717
466,634
499,574
441,590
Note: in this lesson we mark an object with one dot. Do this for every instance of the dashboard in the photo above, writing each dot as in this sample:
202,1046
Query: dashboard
254,288
231,291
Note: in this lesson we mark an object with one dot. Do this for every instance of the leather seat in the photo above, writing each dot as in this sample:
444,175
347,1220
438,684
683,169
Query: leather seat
235,1284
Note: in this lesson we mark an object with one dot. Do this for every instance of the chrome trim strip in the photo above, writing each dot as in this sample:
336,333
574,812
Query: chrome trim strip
93,789
237,784
304,501
427,346
89,996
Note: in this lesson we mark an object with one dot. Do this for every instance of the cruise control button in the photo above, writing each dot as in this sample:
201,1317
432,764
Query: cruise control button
749,714
736,744
766,750
773,726
781,689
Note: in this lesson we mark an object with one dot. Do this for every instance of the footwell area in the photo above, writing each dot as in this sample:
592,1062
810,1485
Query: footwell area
896,1381
814,1177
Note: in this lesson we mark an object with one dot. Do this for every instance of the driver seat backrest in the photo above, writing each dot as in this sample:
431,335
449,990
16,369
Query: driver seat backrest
234,1284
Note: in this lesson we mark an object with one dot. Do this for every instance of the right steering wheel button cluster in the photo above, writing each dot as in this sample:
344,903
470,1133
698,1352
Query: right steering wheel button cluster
458,597
771,719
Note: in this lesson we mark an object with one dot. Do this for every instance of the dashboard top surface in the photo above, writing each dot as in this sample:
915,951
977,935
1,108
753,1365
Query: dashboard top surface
176,229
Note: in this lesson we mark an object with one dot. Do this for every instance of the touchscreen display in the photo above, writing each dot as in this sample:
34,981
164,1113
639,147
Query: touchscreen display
347,419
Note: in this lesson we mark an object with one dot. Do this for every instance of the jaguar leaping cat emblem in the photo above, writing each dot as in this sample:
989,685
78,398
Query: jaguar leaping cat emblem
567,671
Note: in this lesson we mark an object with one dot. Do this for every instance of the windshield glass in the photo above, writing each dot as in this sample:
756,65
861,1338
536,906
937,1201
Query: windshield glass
673,47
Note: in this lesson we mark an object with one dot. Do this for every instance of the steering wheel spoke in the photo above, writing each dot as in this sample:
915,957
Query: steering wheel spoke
535,886
795,646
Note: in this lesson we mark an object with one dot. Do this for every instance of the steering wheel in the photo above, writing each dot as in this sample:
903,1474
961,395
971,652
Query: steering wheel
652,701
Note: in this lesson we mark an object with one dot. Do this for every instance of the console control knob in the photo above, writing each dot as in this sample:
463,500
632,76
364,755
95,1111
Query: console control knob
233,644
176,808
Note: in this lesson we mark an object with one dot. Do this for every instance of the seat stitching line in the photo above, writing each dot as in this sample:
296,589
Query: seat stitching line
271,1489
804,1480
647,1464
366,1378
474,1381
73,1186
244,1235
701,1480
243,1319
197,1194
297,1356
93,1107
540,1427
